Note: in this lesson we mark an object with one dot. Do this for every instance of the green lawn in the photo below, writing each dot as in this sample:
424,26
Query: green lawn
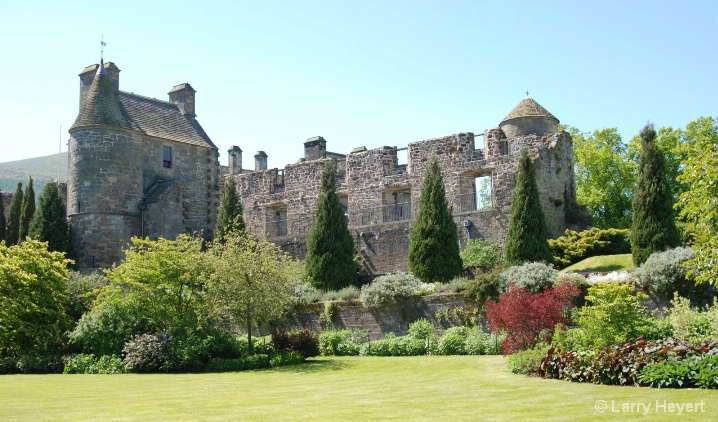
604,263
337,389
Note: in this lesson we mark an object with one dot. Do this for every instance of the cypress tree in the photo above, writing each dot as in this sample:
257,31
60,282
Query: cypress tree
434,243
27,211
12,231
50,221
230,213
526,240
329,264
2,218
654,228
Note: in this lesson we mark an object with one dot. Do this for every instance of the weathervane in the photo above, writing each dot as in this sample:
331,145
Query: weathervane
103,44
527,94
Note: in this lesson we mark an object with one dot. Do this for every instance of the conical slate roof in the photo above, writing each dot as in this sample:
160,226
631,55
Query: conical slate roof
528,107
102,107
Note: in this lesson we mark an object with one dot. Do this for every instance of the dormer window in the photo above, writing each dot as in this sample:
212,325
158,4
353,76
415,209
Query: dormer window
167,157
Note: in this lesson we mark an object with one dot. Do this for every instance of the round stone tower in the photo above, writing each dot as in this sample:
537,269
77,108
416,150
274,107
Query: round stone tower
105,178
529,118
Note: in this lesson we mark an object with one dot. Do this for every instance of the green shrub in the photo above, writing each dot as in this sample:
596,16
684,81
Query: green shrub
286,359
258,361
146,353
453,342
8,366
91,364
534,277
663,273
81,291
349,293
305,293
481,254
692,324
457,284
574,246
39,364
422,328
526,361
304,342
485,287
341,342
697,371
615,315
395,346
387,289
480,342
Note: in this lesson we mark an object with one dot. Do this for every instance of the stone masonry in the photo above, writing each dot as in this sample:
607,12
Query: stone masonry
380,195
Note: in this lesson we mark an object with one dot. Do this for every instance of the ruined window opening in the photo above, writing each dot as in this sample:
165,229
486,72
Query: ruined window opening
344,199
276,221
483,191
167,157
402,156
504,147
398,205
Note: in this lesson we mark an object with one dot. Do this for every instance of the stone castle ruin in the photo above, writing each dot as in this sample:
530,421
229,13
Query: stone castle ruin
139,166
380,195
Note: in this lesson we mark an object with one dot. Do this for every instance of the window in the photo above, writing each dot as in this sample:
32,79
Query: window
167,157
397,205
276,220
344,200
483,192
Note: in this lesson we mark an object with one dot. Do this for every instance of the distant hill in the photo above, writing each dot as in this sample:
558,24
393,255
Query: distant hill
42,170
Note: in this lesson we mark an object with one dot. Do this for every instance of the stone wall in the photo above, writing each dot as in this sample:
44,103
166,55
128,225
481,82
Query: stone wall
6,198
113,172
381,195
394,318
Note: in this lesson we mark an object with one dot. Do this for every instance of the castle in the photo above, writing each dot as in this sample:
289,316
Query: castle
144,167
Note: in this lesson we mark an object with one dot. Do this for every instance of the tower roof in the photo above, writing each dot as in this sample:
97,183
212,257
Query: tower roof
528,107
102,107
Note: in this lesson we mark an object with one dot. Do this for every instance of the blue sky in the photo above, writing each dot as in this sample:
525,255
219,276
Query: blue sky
270,74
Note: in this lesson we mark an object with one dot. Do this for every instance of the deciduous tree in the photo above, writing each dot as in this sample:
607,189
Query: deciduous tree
654,228
433,244
526,240
329,263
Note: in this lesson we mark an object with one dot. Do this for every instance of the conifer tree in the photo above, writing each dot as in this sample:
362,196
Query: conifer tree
230,218
27,211
526,239
12,231
50,221
433,243
329,264
654,228
2,218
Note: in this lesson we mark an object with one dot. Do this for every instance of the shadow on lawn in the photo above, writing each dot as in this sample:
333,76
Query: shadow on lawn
603,268
311,366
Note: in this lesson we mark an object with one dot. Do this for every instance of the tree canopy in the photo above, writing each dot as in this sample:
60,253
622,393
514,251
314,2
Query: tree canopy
433,242
329,263
27,211
230,217
526,240
12,230
2,218
49,223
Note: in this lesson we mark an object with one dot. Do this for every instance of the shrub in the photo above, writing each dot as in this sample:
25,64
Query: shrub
457,284
91,364
146,353
481,254
81,291
578,281
526,361
453,342
485,287
39,364
258,361
533,277
479,342
286,359
349,293
304,293
692,324
663,273
388,288
457,315
394,346
615,315
529,318
619,364
422,328
305,342
574,246
341,342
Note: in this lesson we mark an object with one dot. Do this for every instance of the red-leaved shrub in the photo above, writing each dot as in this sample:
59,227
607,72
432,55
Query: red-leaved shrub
528,318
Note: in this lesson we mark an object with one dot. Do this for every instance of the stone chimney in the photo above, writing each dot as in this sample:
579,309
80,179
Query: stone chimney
88,75
315,148
182,96
260,161
235,160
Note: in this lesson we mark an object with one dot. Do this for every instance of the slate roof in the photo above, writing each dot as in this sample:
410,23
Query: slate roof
161,119
528,107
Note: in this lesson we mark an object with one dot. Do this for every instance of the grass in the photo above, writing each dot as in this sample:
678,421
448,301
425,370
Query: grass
333,388
604,263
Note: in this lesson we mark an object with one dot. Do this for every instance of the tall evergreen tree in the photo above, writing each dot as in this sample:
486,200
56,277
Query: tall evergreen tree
2,218
50,221
27,211
654,228
526,240
12,231
434,243
330,247
230,213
